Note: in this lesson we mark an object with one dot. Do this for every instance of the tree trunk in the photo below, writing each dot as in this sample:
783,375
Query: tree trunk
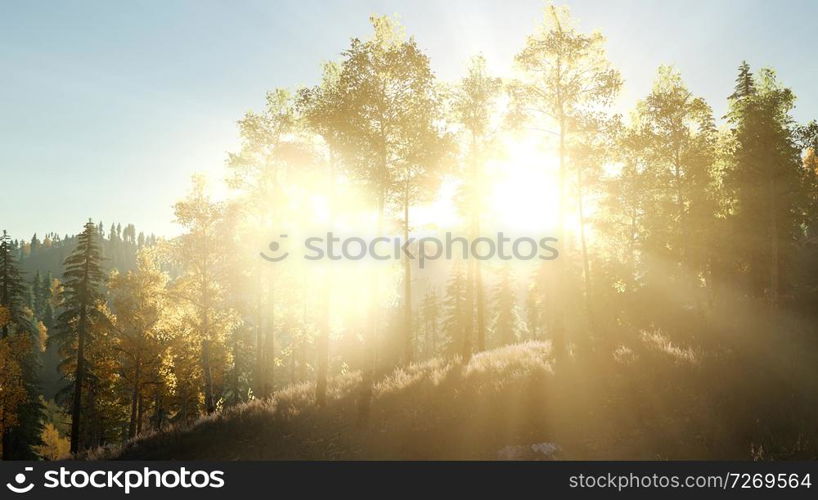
210,404
586,268
481,307
5,333
160,413
140,412
323,357
79,379
474,295
558,334
259,371
323,338
269,343
774,242
407,288
134,397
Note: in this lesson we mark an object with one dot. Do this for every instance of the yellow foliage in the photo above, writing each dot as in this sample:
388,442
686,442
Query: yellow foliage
55,446
12,390
811,161
42,336
4,316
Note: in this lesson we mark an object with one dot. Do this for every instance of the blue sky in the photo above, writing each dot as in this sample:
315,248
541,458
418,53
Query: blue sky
107,108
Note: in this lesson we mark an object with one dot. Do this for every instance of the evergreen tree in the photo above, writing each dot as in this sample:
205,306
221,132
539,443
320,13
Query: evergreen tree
745,83
45,293
35,245
538,310
767,179
430,319
82,296
20,407
808,143
506,320
455,312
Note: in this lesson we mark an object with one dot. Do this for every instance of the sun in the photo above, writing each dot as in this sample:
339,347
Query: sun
520,196
522,192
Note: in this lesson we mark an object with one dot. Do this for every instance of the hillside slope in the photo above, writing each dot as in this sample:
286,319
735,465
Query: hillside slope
515,402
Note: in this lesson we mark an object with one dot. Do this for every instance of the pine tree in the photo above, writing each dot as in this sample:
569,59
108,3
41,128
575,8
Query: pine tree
537,308
455,324
430,319
745,85
20,406
36,301
83,281
506,320
46,315
35,245
13,291
767,179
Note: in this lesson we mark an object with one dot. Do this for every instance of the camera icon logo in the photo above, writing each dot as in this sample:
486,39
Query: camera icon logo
20,478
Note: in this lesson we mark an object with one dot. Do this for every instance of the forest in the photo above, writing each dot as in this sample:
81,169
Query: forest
679,319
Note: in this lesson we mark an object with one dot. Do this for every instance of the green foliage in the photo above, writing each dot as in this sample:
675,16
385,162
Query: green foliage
20,406
79,325
672,234
767,180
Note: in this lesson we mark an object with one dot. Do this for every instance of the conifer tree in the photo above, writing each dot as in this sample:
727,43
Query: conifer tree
82,296
506,320
766,177
455,311
20,408
430,319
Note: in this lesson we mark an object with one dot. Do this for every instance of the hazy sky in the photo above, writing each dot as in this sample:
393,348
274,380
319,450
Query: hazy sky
107,108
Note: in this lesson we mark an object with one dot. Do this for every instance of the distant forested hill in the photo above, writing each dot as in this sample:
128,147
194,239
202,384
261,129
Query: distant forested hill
41,259
46,255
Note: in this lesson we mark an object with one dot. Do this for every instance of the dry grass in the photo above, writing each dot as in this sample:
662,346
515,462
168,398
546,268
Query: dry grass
650,399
